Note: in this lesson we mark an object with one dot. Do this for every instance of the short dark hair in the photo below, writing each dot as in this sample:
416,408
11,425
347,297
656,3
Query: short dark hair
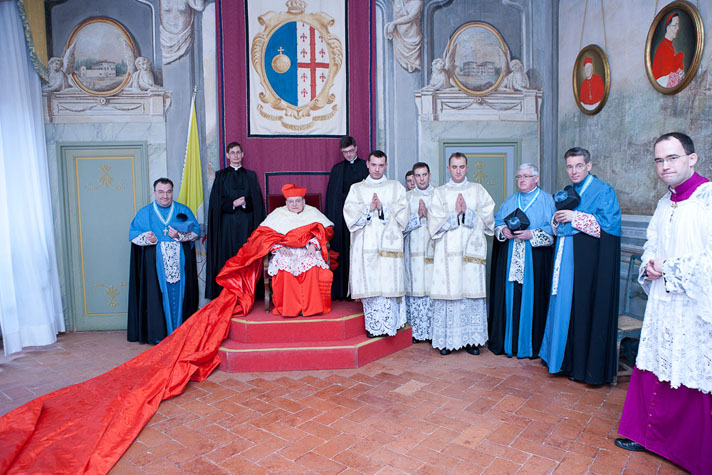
456,155
345,142
409,173
420,165
233,145
165,181
684,140
377,154
578,151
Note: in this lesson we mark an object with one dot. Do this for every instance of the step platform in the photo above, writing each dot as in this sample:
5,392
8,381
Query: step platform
261,341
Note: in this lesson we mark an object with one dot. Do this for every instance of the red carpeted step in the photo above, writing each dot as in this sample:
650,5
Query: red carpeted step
345,353
345,321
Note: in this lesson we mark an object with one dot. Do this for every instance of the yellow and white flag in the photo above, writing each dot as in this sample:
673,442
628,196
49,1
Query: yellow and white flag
191,187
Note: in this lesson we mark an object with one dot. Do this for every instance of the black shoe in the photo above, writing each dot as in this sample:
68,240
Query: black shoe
628,444
415,340
571,378
371,335
445,352
472,349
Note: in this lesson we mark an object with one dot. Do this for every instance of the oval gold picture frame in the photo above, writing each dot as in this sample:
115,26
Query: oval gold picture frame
472,29
98,45
591,94
689,40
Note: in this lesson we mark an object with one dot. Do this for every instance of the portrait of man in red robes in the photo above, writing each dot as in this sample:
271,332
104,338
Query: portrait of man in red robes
668,66
592,88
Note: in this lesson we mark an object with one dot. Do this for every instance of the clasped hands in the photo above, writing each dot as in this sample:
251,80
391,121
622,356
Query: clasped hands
375,203
239,202
311,250
422,210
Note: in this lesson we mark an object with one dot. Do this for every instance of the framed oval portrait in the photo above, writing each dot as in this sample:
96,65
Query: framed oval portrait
673,49
99,50
591,79
479,57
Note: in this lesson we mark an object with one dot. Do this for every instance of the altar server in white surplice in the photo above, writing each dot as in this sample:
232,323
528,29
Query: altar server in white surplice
376,213
461,214
418,252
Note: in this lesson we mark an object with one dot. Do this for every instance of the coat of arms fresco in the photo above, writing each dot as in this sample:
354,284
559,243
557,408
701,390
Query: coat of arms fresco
297,76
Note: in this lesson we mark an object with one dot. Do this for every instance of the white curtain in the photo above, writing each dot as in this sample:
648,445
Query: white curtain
30,301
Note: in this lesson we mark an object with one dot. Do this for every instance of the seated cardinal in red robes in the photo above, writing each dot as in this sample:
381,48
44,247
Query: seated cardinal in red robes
295,235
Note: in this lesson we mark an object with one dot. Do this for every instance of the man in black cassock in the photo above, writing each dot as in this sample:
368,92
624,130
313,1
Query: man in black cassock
235,209
348,171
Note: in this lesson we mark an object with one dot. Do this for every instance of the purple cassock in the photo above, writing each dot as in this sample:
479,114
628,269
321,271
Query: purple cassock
668,408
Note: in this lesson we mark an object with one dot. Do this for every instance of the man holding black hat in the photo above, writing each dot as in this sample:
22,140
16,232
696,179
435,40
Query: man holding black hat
521,268
581,325
163,282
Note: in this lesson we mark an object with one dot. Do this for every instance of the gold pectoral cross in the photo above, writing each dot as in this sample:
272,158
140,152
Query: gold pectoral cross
165,231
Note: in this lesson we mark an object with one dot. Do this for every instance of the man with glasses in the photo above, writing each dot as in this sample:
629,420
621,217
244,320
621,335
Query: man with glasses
580,335
236,208
348,171
668,409
163,283
521,268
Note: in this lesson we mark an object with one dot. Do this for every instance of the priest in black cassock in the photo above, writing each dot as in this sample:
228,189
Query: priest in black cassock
236,208
348,171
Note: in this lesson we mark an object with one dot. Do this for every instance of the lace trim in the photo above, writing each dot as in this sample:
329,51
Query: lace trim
297,263
517,263
541,238
142,240
586,223
557,267
170,250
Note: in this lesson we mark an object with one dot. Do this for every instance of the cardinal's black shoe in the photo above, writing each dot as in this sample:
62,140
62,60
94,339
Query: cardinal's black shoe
370,335
445,351
628,444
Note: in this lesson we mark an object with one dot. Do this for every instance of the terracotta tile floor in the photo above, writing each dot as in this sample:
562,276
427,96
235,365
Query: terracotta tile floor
412,412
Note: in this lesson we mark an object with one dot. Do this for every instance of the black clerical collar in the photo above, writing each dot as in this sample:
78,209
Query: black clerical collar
235,168
351,161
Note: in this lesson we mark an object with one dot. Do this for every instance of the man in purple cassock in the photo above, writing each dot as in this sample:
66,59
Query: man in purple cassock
668,408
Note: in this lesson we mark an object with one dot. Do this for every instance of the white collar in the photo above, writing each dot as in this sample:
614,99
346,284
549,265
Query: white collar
457,185
425,191
383,179
236,168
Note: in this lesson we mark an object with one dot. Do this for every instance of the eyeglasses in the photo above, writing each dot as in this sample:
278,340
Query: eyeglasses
519,177
348,151
672,159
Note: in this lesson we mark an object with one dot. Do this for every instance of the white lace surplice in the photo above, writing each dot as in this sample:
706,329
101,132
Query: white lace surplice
298,262
419,311
384,315
458,323
676,340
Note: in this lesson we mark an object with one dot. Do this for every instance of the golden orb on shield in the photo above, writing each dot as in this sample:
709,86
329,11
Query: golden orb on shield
281,62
